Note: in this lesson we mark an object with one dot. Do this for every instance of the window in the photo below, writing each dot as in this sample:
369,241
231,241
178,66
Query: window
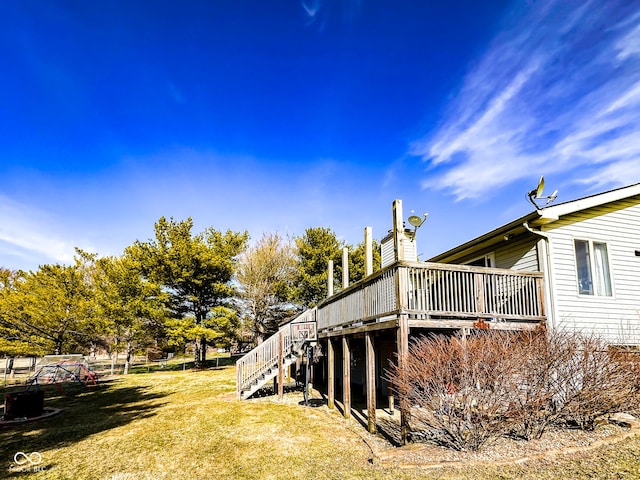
485,261
592,264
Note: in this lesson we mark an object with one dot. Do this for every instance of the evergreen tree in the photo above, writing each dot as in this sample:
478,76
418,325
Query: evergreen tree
131,307
314,250
196,271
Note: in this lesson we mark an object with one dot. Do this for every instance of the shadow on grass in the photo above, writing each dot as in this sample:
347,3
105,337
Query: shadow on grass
388,427
85,412
175,365
270,391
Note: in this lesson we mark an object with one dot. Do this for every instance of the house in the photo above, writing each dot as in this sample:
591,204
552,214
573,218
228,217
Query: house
569,265
589,253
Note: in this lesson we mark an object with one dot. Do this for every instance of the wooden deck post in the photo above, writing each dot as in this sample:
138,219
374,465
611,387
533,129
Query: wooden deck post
403,348
540,310
345,267
368,251
371,382
402,340
330,279
346,377
398,230
280,366
331,360
480,291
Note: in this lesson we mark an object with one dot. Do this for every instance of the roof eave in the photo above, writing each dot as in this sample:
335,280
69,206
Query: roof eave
542,216
488,239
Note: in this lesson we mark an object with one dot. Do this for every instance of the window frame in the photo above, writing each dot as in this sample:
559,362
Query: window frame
605,272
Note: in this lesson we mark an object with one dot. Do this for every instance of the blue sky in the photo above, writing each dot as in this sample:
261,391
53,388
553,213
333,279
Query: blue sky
276,116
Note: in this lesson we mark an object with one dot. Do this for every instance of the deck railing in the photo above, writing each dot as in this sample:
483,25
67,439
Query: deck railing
433,291
265,357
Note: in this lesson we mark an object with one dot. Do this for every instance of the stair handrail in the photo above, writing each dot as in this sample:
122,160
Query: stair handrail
264,357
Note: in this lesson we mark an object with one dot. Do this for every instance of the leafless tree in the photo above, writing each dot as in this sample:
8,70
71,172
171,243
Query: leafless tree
265,273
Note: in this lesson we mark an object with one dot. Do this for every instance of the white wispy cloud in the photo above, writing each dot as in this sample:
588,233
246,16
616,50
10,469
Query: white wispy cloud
311,8
28,233
556,91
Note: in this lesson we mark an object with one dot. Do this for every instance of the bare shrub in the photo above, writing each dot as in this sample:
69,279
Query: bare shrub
457,390
629,357
595,382
531,409
463,392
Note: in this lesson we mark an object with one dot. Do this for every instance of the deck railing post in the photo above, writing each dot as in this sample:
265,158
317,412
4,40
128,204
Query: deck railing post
345,267
239,378
330,279
398,231
480,300
540,292
402,281
280,365
368,251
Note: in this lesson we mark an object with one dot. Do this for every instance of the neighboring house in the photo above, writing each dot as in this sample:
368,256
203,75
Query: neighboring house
589,252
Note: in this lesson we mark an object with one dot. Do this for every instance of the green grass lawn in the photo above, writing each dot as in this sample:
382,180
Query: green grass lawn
188,425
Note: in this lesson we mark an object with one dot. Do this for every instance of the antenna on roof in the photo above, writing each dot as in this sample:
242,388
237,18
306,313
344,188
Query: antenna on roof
536,194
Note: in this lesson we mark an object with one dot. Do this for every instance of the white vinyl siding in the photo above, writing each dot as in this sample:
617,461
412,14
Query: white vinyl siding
519,255
515,254
615,317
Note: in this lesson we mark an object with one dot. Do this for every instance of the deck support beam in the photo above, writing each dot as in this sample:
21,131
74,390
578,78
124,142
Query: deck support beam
403,348
371,381
346,377
402,340
331,360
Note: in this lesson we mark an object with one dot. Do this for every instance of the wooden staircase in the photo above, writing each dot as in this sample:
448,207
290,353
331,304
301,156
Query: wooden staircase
263,363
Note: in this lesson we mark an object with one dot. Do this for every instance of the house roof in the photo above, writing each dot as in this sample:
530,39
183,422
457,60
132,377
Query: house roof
538,217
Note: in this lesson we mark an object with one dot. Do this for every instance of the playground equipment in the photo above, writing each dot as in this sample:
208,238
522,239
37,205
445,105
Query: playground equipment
62,371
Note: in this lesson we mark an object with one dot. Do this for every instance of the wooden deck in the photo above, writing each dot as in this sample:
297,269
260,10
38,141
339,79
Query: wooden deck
403,296
384,308
435,296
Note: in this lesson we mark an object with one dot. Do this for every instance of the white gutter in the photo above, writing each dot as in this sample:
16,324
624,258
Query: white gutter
546,268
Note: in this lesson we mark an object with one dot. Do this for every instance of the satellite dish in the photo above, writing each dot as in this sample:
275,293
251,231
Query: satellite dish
536,194
415,220
540,188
